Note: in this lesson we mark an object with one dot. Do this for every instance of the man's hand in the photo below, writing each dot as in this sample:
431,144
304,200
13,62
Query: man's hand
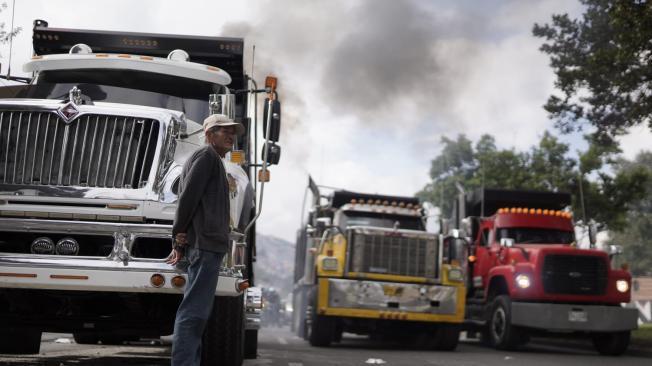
174,257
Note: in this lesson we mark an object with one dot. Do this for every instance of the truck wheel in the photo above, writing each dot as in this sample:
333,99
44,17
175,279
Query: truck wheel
18,341
611,344
502,334
251,344
447,336
85,338
223,342
321,329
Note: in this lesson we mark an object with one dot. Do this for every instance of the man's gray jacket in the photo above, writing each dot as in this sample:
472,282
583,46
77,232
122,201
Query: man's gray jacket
203,205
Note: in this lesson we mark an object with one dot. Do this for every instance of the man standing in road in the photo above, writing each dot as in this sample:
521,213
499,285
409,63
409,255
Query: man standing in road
201,233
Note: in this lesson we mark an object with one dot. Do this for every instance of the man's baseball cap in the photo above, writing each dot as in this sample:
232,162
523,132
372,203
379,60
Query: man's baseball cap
221,120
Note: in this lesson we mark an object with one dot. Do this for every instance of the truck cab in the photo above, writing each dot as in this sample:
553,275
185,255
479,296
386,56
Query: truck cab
365,264
92,148
528,275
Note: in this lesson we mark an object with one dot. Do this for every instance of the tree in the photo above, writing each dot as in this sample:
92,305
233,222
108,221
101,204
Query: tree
546,166
603,64
637,236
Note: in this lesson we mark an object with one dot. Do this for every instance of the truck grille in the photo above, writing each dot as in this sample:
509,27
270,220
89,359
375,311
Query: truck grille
395,253
574,274
39,148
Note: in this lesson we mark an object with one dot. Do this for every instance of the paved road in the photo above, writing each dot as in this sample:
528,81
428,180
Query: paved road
278,347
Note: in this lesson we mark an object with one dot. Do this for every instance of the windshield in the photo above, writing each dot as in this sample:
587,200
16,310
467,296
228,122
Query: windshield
380,220
528,235
121,86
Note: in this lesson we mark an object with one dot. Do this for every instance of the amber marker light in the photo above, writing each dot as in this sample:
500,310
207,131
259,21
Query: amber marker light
237,157
472,258
178,281
68,277
264,176
241,285
157,280
539,211
124,56
117,206
147,58
271,82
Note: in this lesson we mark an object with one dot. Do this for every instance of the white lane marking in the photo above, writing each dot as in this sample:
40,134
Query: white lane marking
376,361
282,340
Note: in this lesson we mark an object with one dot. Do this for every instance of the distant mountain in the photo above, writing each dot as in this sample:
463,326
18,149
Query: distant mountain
274,263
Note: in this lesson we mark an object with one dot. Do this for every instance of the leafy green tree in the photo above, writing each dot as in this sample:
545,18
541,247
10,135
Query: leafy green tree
603,64
546,166
636,237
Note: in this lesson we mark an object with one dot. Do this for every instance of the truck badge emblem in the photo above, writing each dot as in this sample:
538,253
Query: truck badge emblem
68,112
575,274
392,290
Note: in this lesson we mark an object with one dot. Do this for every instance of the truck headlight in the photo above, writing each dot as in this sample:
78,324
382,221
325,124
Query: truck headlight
523,281
455,274
622,285
329,264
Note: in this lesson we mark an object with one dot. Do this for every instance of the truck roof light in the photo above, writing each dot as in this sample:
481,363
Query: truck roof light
178,55
409,205
378,202
394,204
532,211
370,201
101,55
124,55
402,204
539,211
385,203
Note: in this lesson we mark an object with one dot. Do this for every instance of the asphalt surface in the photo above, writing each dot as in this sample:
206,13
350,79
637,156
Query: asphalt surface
279,347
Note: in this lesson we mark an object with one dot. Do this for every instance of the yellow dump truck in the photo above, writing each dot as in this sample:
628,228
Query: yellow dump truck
365,264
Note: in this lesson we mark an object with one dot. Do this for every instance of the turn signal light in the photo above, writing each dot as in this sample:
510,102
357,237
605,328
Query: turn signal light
157,280
241,285
263,175
178,281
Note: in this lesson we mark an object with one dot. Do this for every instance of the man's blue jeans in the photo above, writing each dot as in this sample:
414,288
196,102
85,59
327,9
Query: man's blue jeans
196,306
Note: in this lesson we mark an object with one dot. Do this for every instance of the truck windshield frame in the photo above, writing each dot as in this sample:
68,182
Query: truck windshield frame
535,235
384,220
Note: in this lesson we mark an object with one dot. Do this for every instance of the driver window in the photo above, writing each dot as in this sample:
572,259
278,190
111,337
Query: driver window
484,238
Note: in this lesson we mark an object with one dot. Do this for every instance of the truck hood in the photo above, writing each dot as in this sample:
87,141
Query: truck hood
532,252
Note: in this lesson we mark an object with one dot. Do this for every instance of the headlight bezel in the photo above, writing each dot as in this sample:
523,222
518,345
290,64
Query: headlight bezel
523,281
622,286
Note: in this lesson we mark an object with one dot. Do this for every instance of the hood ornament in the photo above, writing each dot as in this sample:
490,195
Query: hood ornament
69,111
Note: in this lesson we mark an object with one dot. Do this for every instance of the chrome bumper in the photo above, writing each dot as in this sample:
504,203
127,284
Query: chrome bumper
407,297
567,317
93,274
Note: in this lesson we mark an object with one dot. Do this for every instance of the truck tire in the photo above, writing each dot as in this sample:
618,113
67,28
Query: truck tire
322,329
501,333
447,336
19,342
85,338
251,344
223,341
611,344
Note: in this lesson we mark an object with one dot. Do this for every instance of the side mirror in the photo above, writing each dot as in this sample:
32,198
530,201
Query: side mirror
322,223
615,250
455,233
507,242
310,230
275,125
273,153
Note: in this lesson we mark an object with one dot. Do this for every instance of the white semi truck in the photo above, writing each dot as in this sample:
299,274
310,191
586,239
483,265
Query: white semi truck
91,149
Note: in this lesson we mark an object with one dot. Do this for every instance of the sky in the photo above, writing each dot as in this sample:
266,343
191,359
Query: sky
368,87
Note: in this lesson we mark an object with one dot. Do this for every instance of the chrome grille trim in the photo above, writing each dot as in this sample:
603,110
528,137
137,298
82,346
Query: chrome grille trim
384,251
44,150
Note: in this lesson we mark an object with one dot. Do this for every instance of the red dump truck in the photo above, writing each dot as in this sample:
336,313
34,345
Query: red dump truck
526,273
